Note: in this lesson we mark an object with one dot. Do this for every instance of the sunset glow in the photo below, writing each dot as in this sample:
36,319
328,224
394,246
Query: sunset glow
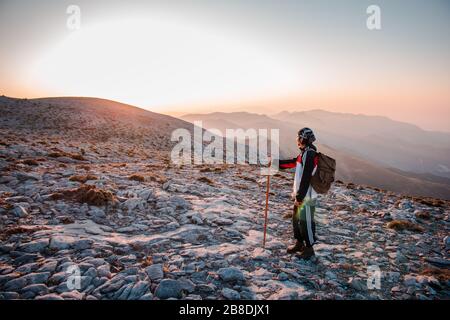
159,63
179,57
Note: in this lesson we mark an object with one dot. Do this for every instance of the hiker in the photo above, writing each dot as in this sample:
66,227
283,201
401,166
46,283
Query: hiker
305,165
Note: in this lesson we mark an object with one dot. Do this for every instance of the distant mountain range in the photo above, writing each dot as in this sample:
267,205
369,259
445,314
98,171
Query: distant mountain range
370,150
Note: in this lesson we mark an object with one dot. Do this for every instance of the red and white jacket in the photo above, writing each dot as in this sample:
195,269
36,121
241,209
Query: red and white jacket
305,165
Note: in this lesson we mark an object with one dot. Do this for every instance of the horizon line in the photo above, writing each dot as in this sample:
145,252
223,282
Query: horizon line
181,114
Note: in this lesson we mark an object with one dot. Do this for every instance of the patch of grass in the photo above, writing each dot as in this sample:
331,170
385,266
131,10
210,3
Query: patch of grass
83,178
400,225
136,177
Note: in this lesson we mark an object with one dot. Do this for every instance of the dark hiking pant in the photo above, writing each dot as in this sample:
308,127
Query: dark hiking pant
303,223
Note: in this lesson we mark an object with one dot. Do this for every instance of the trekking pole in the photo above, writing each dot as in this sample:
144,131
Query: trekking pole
267,208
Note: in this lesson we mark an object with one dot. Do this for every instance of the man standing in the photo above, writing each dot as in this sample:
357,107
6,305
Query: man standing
305,196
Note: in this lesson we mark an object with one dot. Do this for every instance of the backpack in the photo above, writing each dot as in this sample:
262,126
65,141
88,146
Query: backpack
324,175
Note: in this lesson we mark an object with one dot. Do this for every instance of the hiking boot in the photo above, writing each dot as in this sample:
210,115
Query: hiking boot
307,253
297,247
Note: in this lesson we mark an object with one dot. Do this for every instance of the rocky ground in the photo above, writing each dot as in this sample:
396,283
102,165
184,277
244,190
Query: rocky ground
111,206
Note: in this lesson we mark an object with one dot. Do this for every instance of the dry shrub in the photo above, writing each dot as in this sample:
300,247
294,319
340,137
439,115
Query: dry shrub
54,155
157,177
77,157
86,194
248,178
66,220
209,169
242,186
351,186
84,167
154,166
136,177
342,207
205,180
400,225
83,179
279,175
443,275
59,153
119,165
423,215
430,201
44,143
347,266
5,205
30,162
6,233
147,261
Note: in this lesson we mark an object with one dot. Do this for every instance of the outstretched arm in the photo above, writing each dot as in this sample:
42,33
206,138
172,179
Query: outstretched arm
287,164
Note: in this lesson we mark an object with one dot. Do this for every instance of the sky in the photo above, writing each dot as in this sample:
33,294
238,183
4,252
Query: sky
186,56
